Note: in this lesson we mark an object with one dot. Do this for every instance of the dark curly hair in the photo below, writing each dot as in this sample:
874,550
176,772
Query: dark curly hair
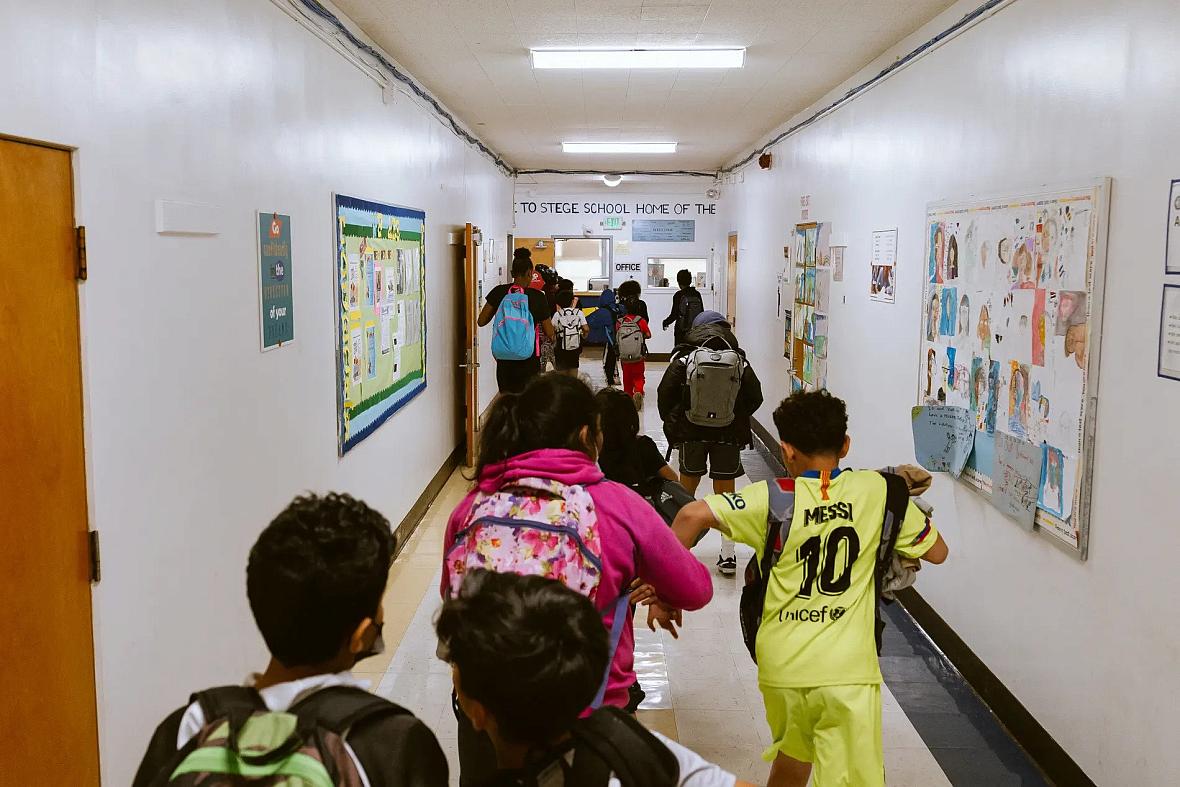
814,422
315,573
529,649
629,289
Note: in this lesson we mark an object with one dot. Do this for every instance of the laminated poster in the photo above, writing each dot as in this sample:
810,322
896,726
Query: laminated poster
1016,479
943,437
381,269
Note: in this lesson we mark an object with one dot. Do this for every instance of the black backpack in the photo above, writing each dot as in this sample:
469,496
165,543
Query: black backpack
778,527
609,742
691,304
323,719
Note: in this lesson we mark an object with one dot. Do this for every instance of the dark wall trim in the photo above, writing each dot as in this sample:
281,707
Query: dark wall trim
767,445
1028,732
413,518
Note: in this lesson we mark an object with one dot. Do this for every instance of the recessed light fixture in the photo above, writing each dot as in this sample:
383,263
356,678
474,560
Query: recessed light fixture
618,147
612,180
638,58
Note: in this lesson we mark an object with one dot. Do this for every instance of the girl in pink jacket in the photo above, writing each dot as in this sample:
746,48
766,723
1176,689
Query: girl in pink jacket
542,506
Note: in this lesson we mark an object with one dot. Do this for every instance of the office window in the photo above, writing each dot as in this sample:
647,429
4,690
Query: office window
581,259
661,271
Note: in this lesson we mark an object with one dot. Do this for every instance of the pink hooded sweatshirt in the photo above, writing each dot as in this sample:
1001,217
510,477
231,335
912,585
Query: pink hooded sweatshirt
635,542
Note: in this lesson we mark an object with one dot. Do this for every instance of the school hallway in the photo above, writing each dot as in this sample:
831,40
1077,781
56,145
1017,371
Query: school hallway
702,688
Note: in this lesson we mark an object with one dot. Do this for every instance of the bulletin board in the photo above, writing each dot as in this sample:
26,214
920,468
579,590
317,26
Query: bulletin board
806,344
1011,319
381,306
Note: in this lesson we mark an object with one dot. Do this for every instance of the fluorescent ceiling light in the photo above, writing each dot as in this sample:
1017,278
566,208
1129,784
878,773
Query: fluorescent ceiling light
618,147
638,58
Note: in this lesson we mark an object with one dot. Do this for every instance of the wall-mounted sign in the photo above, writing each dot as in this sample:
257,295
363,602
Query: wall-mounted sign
612,223
628,267
277,318
663,231
616,209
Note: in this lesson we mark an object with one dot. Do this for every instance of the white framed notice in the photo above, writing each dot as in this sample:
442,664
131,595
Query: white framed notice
1172,248
883,285
1169,357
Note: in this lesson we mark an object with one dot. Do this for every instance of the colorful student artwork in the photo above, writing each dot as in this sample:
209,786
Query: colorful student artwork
943,437
1010,321
381,302
812,279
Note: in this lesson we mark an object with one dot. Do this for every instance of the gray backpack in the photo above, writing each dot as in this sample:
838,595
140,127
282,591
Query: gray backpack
569,333
630,341
714,379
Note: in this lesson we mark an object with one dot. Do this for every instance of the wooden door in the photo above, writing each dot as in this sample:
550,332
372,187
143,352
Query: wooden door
731,280
470,365
47,698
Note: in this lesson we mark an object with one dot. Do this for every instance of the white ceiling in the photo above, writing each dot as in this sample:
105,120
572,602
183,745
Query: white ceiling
473,54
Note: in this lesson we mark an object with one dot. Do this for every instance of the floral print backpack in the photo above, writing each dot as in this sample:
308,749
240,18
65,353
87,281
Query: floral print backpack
533,526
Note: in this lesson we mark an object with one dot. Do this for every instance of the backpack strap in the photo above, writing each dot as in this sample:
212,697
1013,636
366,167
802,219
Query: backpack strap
897,500
228,702
610,741
616,633
340,708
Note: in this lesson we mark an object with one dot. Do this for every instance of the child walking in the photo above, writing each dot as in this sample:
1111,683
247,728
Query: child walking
631,331
542,506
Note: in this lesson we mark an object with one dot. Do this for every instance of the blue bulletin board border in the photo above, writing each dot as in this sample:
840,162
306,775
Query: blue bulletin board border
413,385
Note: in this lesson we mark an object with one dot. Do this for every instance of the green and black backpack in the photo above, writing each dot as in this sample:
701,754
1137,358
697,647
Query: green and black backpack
243,742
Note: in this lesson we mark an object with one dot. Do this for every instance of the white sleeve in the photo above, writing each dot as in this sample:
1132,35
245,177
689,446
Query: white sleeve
695,771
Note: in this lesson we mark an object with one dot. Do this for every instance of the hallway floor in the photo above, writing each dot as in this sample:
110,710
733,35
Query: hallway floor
702,688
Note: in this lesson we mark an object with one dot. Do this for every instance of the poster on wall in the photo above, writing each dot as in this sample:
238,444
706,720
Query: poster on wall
1172,247
1169,354
381,309
883,284
276,304
1011,316
810,302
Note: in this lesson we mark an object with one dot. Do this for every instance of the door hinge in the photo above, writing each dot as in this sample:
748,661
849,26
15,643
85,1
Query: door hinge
95,558
80,244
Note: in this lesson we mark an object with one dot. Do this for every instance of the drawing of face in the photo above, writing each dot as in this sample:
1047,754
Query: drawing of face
1067,306
1004,250
983,328
952,258
980,386
932,325
964,316
1075,344
985,250
930,358
939,253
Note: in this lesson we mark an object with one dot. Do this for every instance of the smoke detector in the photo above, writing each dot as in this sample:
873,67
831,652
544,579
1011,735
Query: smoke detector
713,193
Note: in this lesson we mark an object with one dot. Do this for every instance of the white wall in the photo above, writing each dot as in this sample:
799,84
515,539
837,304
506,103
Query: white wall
196,439
659,300
1045,91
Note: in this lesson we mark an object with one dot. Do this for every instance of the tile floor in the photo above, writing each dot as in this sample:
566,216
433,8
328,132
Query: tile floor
701,688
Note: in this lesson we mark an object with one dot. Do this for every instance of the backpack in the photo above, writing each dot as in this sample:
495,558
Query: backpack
778,527
609,743
714,380
537,527
514,335
690,306
570,336
630,340
243,742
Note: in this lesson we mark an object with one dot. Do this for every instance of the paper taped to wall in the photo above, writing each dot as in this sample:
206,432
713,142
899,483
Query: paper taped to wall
1017,477
943,437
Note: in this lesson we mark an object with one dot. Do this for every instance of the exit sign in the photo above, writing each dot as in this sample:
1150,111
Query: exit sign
612,223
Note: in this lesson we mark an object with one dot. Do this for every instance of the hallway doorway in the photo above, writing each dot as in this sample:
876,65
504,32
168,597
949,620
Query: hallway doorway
731,257
48,712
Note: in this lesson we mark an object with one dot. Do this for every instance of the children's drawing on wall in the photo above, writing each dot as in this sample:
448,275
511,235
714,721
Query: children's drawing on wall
964,331
821,336
931,376
993,397
1018,409
952,258
951,352
358,353
1052,480
949,308
788,334
883,287
371,356
933,312
978,391
983,329
937,266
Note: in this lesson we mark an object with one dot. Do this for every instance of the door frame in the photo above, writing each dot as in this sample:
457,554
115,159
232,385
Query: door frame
732,252
472,243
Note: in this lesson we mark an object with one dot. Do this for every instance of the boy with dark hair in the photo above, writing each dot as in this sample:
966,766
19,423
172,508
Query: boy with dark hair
687,303
706,398
815,646
527,656
315,580
529,303
572,329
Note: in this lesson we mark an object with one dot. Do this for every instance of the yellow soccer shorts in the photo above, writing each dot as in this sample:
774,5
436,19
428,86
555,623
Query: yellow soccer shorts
836,728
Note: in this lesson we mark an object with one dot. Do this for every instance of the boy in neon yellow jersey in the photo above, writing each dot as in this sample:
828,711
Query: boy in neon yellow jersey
817,658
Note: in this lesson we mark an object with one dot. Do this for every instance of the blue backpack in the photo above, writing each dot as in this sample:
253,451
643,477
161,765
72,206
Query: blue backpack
514,335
